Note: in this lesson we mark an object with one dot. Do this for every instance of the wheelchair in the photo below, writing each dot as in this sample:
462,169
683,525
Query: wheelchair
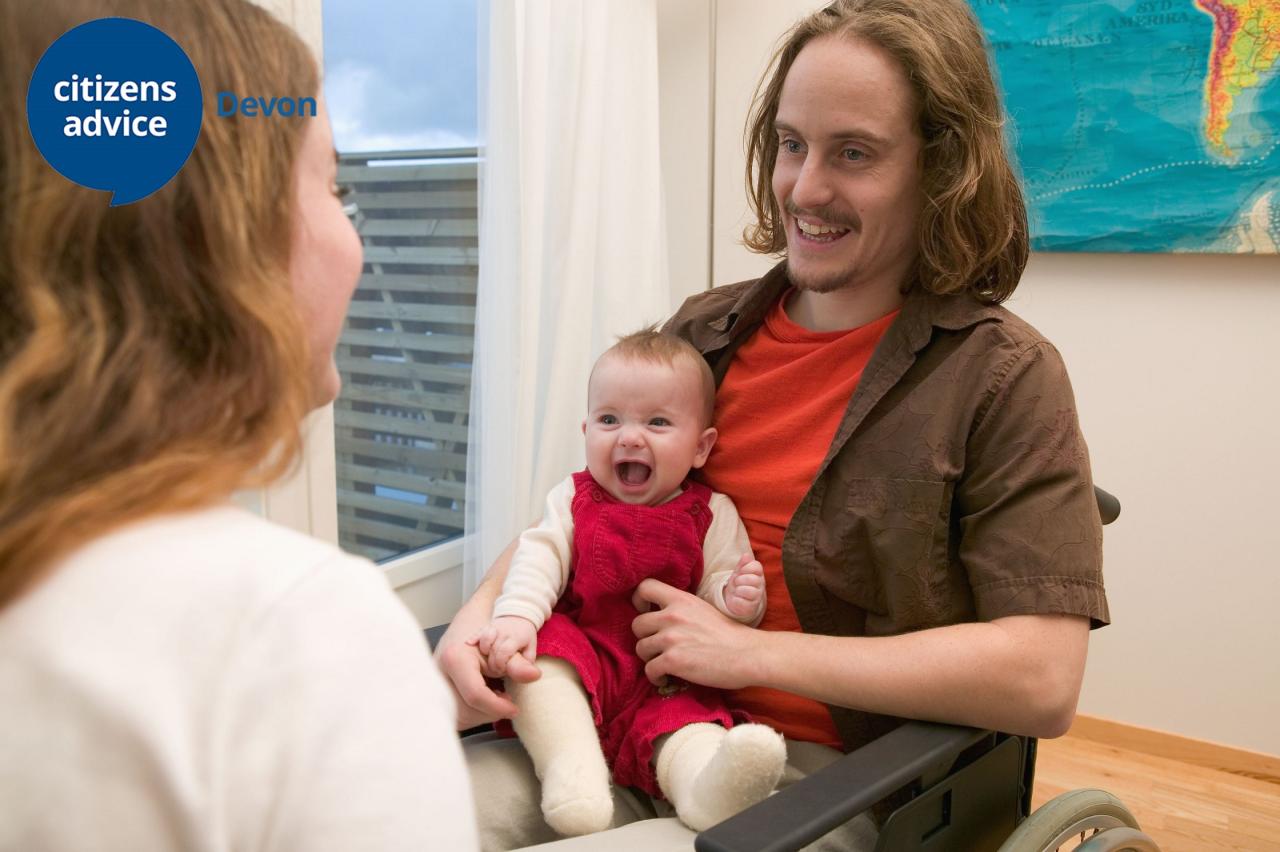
955,789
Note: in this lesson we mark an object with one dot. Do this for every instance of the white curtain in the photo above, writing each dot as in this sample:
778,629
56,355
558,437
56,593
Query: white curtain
572,246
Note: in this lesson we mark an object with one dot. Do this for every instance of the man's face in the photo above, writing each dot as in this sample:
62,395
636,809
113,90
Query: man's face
847,176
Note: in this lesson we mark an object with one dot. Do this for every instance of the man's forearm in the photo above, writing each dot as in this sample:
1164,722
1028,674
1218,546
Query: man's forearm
1020,674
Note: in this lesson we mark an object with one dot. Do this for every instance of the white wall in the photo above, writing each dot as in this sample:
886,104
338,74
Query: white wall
686,116
1176,365
304,15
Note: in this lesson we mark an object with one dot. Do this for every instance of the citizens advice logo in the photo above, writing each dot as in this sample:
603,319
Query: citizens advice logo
115,104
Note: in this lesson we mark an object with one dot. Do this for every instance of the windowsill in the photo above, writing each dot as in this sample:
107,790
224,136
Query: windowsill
419,565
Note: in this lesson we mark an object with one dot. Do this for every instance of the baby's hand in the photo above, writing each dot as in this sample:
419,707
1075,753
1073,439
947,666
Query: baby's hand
505,636
745,589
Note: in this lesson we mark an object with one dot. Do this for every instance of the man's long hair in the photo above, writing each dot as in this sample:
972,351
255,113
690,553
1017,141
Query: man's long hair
151,358
973,228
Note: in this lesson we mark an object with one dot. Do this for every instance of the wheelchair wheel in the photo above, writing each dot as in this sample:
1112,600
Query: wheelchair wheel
1075,817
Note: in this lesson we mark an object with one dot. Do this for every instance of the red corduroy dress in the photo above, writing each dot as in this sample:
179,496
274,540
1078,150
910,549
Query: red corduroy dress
615,546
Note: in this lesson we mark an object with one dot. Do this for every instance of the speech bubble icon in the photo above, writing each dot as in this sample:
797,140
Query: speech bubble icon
115,104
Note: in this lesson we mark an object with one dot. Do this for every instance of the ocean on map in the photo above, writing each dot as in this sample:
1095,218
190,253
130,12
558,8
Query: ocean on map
1107,112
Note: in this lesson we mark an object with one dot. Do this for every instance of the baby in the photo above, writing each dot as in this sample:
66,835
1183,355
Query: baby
567,603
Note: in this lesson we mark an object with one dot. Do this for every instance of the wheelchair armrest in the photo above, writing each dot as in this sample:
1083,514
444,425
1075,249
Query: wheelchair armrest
830,797
434,634
1108,505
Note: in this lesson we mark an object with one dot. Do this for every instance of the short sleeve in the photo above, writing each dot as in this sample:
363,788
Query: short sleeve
1030,535
678,323
337,732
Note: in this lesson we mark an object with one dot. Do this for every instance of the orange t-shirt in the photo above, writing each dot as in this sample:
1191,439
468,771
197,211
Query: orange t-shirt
777,411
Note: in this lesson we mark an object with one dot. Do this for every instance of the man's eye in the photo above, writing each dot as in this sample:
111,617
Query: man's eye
791,146
853,154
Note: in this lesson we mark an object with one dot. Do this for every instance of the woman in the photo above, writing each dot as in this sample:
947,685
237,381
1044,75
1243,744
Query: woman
177,673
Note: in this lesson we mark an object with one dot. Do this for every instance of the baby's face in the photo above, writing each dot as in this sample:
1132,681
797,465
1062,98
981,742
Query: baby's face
644,427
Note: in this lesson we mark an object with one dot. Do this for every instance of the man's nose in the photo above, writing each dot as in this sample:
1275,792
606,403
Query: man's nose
812,188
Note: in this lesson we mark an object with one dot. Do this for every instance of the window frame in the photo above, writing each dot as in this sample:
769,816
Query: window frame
307,501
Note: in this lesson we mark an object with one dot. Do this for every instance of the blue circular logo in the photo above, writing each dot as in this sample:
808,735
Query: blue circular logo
115,104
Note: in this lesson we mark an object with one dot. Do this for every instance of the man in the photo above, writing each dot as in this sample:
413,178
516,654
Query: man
904,452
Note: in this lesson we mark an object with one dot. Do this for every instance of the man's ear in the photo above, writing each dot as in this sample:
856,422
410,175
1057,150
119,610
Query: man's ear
706,441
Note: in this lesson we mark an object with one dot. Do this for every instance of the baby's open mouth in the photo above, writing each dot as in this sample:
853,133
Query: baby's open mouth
633,473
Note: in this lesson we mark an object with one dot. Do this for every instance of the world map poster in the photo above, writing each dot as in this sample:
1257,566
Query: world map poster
1150,126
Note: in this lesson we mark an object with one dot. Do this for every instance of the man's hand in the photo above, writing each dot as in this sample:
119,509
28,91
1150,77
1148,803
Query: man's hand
478,703
505,637
744,591
690,639
462,665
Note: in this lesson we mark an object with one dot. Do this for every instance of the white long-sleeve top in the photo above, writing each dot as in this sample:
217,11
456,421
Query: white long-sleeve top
540,569
212,681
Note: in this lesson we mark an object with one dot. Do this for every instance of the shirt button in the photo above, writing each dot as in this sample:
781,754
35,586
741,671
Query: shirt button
595,495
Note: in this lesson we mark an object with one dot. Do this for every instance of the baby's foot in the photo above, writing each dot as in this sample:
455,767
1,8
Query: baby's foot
742,770
576,797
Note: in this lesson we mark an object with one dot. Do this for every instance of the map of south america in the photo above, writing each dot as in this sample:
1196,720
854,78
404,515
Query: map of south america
1243,53
1143,125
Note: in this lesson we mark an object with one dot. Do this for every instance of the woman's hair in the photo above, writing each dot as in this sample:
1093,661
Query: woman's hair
151,357
973,228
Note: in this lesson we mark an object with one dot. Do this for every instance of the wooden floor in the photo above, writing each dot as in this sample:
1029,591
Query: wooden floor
1184,807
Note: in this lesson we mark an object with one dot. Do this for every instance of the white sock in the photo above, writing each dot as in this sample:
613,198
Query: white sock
557,729
709,774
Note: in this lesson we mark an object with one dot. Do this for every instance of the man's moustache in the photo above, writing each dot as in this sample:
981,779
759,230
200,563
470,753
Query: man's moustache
829,217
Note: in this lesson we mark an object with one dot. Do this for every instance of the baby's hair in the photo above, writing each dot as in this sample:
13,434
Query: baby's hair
649,344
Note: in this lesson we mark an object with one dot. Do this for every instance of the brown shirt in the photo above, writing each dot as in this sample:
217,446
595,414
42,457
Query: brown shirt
956,488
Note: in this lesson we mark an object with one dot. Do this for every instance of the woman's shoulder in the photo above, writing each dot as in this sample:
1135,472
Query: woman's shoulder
226,650
190,586
219,551
186,604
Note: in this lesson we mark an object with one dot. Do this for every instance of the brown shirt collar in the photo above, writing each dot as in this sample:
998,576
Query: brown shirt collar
921,311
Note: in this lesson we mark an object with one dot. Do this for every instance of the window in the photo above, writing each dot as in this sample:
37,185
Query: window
400,82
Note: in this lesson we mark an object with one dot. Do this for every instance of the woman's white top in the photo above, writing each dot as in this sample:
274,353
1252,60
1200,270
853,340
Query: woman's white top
212,681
